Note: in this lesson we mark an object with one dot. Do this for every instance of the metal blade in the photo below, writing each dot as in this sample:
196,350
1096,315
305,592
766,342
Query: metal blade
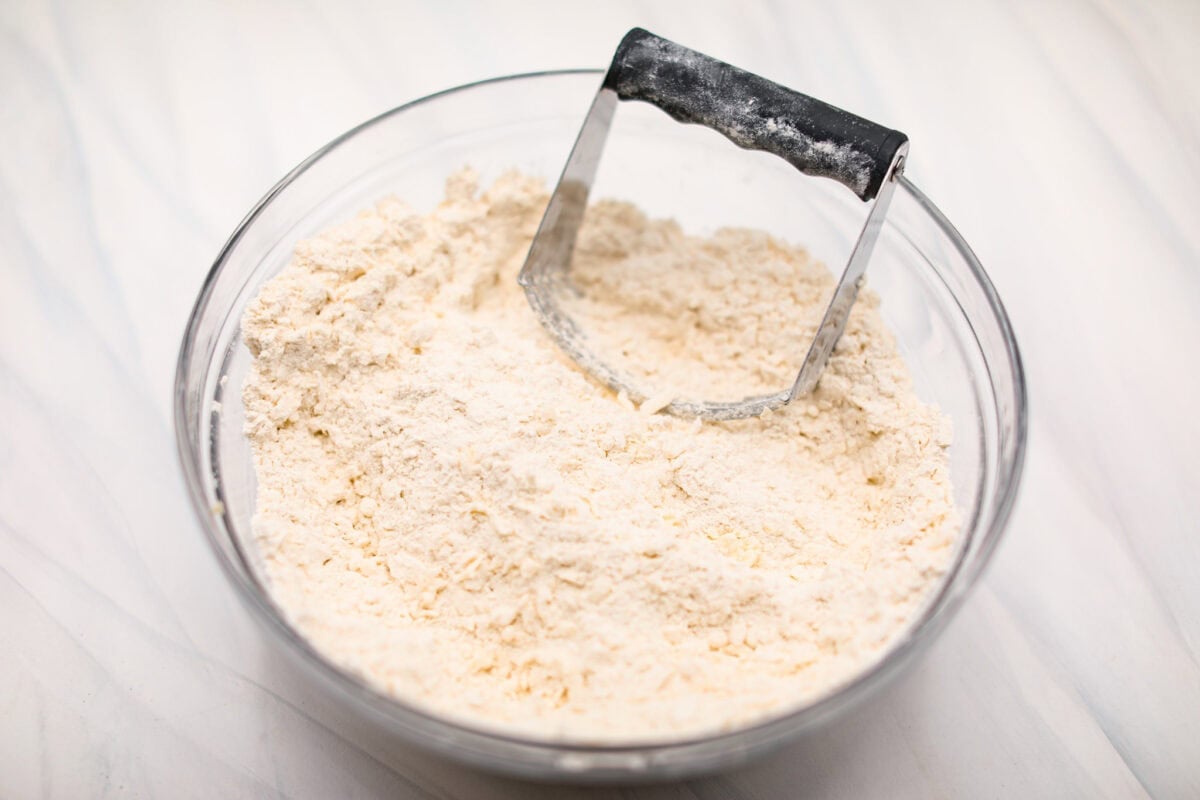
551,251
545,276
838,313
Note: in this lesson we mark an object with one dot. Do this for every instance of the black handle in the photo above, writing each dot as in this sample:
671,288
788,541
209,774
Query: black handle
753,112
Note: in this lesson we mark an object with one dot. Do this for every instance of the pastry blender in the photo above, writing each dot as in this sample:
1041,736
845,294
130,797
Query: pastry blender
754,113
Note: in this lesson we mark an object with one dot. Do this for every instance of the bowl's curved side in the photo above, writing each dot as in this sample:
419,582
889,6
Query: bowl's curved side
1014,431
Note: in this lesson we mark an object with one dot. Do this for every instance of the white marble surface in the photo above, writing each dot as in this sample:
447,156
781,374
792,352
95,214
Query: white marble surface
1063,138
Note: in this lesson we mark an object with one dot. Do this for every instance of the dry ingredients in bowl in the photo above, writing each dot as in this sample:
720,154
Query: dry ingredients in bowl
450,508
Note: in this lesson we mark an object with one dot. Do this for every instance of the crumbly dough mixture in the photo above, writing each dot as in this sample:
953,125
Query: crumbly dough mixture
450,508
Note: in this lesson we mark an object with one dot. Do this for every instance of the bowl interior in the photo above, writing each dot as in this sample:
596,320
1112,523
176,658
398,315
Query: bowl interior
946,320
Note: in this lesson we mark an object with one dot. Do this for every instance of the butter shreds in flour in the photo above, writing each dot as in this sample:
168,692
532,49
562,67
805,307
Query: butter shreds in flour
450,508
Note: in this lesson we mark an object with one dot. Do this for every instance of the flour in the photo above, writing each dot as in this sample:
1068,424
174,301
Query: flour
448,507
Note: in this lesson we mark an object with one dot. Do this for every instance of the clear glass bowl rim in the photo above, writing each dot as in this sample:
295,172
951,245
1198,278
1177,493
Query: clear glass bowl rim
922,630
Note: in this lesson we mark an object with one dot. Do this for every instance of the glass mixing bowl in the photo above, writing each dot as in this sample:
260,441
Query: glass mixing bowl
944,312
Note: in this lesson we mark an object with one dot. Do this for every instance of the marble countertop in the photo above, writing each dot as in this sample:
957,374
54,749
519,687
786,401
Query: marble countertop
1063,139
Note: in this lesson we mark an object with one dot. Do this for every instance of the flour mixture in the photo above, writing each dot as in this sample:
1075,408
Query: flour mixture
448,507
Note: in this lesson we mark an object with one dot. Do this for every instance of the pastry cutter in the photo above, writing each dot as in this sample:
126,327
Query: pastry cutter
752,112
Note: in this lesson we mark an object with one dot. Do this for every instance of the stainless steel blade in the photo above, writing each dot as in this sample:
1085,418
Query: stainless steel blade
545,276
833,324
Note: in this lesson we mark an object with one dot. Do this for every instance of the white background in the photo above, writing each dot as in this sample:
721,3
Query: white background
1062,138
